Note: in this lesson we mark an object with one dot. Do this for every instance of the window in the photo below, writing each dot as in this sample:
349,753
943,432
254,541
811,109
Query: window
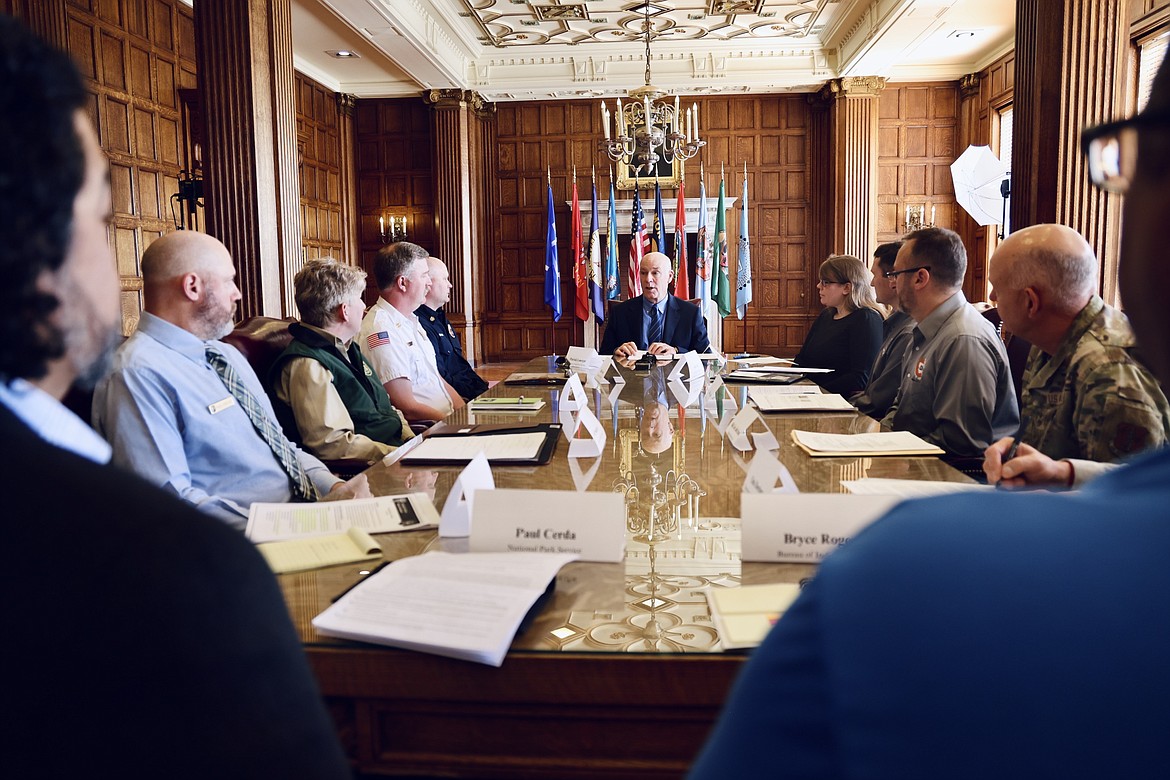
1150,55
1005,154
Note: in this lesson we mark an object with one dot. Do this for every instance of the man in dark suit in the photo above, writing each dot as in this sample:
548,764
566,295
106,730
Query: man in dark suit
995,635
453,366
655,321
144,639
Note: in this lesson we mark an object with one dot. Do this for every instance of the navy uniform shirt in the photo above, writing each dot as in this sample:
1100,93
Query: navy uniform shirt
449,353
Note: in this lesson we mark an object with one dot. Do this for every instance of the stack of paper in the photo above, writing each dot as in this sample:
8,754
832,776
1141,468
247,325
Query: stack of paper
275,522
743,616
466,606
506,404
840,445
797,398
908,488
317,551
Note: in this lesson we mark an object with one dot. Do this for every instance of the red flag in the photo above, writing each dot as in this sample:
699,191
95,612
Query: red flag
580,267
682,275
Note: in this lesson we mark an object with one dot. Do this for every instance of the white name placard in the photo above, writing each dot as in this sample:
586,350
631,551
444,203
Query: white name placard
590,525
804,527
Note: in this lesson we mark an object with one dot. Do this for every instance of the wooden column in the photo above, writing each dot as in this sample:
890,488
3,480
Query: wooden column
974,236
44,17
458,186
853,126
1069,75
250,160
350,243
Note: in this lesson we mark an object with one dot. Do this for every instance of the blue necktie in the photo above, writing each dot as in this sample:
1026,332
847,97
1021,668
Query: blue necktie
654,331
302,486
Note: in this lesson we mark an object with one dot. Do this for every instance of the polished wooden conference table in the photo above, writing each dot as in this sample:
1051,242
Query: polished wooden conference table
620,674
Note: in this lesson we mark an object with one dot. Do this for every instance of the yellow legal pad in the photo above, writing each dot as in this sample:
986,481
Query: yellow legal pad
315,551
743,616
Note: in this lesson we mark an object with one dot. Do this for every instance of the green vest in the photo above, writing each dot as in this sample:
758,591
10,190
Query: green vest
363,395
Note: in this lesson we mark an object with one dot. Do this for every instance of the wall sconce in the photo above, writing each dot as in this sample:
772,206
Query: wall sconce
189,197
916,218
392,229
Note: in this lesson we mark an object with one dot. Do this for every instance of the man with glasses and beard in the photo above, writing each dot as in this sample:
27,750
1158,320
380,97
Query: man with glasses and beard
186,411
144,638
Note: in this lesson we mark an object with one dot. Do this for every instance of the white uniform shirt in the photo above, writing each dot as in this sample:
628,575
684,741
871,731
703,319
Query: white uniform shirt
397,346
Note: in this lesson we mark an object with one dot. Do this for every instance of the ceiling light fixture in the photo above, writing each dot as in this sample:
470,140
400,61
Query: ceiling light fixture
647,126
343,54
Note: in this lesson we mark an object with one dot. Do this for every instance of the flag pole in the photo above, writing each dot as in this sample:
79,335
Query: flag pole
737,260
552,330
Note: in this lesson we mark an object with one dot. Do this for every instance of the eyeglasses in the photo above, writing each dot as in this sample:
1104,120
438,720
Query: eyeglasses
1112,149
896,274
827,282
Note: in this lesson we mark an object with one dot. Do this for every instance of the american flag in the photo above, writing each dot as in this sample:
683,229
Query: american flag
639,245
375,340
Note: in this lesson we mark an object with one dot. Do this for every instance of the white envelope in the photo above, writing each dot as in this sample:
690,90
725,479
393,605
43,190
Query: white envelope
456,517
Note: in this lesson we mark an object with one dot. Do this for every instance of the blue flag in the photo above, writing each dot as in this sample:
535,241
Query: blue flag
552,271
596,283
612,290
743,275
659,221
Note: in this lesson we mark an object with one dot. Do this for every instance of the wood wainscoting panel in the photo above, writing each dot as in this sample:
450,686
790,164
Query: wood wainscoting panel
135,56
320,158
394,148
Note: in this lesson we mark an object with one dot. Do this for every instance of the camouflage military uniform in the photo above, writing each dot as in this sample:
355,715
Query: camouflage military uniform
1093,399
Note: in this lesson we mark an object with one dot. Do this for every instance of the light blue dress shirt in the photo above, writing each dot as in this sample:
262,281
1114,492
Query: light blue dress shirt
171,420
54,423
646,307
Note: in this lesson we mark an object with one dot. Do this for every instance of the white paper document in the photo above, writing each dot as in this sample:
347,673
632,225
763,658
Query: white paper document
274,522
763,360
465,606
498,446
863,444
909,488
768,401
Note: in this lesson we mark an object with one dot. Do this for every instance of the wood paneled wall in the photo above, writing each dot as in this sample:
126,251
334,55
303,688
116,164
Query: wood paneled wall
394,157
917,142
769,133
136,56
320,157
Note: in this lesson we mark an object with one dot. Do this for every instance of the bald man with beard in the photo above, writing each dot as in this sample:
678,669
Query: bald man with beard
1086,398
170,414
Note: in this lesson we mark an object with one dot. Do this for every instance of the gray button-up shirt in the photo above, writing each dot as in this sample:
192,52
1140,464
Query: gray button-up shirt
956,388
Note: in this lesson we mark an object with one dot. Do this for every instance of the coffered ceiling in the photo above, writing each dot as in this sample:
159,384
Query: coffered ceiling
545,49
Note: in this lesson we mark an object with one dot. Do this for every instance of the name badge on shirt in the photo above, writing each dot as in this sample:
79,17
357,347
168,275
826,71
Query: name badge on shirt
219,406
918,369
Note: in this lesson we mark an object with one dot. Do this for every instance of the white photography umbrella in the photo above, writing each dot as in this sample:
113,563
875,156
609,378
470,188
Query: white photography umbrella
977,175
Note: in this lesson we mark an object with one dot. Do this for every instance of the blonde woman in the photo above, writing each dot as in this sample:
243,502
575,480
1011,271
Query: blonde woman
847,335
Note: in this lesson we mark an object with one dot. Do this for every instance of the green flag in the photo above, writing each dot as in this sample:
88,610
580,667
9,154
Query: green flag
720,283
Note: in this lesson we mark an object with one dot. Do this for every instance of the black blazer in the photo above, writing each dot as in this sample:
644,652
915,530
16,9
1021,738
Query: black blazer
144,637
683,328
